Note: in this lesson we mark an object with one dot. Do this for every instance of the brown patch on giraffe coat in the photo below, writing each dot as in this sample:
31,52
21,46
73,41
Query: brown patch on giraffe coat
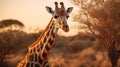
53,36
47,47
48,33
51,41
28,64
40,59
41,45
34,49
31,57
30,51
36,57
37,65
44,55
31,65
46,64
45,38
39,49
52,32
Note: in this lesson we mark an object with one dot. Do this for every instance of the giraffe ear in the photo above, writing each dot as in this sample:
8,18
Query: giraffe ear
49,9
69,10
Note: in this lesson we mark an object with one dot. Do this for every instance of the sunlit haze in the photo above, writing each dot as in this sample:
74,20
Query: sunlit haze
32,13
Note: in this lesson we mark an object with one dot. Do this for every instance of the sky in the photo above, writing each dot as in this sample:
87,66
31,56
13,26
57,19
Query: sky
32,13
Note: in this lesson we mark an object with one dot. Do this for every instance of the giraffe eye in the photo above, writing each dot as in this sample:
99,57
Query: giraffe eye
67,16
56,16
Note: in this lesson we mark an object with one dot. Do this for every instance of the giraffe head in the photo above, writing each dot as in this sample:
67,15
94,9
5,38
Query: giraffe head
60,16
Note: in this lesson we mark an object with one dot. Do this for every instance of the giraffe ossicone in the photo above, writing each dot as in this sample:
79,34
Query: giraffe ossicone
38,52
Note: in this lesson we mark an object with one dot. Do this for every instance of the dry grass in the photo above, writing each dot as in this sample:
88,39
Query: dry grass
86,58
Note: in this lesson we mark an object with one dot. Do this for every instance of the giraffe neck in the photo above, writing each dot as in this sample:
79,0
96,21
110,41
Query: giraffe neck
39,51
48,40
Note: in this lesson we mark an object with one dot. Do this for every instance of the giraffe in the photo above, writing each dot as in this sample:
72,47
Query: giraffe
39,51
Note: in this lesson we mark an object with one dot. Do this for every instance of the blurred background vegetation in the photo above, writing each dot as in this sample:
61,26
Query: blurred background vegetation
86,49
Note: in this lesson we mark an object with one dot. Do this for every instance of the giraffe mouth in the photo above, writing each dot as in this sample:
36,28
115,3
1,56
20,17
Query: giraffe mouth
66,28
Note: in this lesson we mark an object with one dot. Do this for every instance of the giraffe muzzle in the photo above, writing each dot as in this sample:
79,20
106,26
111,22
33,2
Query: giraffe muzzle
66,28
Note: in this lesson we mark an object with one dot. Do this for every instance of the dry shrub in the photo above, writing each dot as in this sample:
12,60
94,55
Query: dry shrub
16,41
57,61
78,45
119,62
105,63
97,45
87,52
75,51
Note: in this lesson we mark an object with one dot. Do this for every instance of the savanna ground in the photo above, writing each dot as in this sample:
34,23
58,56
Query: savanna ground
81,50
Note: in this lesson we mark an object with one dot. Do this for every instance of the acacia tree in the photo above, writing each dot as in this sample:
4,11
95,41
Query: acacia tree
102,19
7,39
10,23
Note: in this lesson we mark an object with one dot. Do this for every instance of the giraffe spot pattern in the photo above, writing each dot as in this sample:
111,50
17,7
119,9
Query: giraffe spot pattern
36,57
50,41
44,55
30,51
37,65
46,64
34,49
45,39
47,47
37,46
31,65
28,64
31,57
39,49
51,27
41,45
40,59
53,36
48,33
52,32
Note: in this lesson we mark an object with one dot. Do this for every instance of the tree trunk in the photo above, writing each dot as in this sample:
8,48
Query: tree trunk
113,54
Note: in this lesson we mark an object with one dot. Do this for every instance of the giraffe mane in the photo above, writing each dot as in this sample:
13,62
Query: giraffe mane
40,37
